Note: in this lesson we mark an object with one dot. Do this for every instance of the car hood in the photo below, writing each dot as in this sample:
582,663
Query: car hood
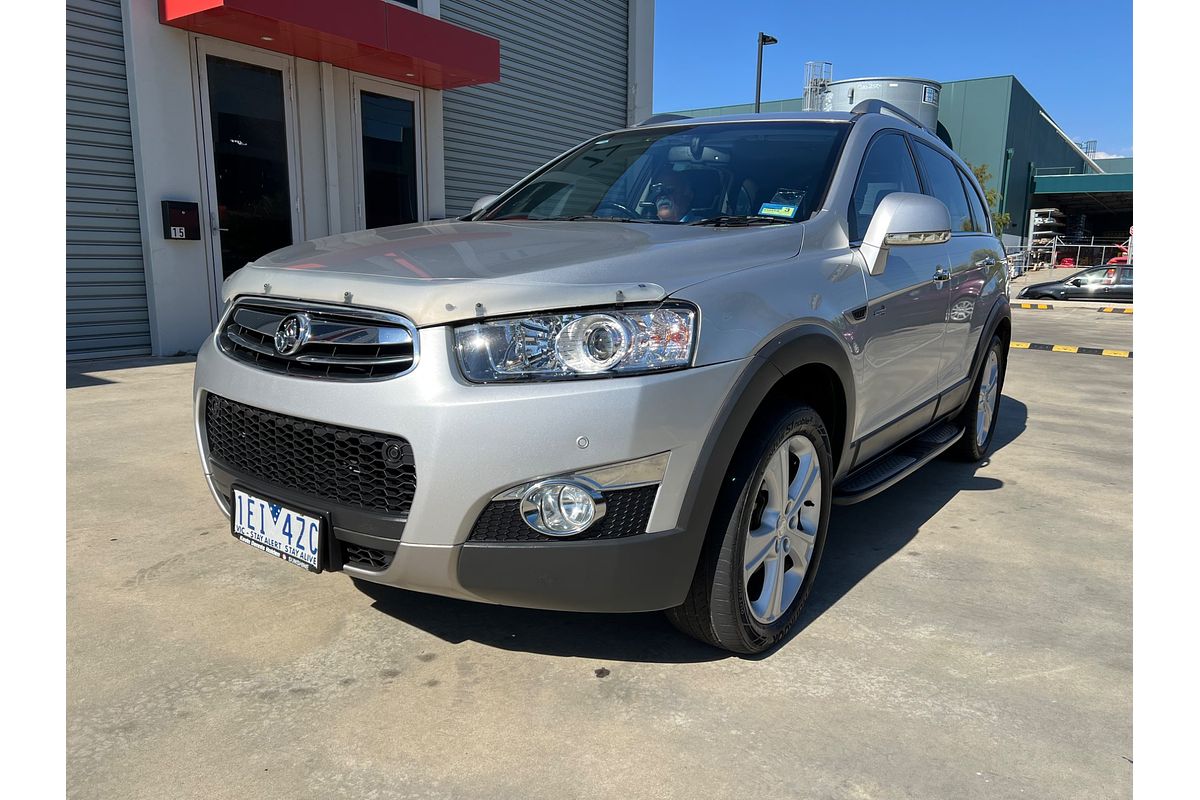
447,271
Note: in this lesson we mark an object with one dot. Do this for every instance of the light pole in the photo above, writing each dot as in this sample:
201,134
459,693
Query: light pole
763,40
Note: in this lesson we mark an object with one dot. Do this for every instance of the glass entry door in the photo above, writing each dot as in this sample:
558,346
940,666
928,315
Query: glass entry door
388,150
247,111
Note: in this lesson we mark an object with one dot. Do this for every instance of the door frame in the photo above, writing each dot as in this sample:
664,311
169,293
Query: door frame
203,46
360,83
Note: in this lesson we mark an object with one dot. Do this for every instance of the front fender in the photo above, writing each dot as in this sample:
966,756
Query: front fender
785,351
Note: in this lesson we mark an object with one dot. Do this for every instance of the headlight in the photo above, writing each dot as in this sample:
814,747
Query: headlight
574,345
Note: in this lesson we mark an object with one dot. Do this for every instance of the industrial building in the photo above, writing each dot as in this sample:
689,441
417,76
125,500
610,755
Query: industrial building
996,122
202,134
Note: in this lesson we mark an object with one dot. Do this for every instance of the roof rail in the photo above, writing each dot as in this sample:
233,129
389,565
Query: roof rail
879,107
657,118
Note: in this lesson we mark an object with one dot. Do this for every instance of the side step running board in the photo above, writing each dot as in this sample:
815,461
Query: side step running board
892,467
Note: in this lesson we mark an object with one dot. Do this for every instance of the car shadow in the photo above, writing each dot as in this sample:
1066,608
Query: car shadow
862,537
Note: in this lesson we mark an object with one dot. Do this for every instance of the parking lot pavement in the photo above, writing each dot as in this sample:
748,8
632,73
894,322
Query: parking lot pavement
1078,326
969,636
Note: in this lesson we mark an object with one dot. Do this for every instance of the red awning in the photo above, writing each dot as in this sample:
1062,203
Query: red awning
369,36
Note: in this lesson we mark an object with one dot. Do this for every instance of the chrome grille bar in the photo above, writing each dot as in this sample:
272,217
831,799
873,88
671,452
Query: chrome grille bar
332,342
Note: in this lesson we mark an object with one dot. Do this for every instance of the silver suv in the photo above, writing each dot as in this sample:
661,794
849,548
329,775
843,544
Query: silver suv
639,379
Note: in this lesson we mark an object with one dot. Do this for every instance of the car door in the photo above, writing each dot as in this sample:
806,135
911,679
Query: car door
1083,285
1123,289
974,256
905,317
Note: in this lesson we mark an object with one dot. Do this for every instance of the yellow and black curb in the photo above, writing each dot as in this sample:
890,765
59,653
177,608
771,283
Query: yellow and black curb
1070,348
1118,310
1037,306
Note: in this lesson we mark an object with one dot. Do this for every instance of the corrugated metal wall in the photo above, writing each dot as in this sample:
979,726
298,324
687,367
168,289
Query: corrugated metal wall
563,79
1035,144
106,283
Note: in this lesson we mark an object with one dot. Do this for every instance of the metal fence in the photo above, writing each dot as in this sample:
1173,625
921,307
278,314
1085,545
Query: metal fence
1057,253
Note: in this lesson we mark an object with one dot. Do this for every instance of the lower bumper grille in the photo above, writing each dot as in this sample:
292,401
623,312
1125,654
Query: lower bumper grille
351,467
355,555
627,514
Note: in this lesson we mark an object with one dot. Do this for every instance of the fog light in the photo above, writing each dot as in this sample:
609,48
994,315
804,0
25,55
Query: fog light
561,508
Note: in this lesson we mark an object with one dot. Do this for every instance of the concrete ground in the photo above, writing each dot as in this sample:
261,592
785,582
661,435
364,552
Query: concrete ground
969,636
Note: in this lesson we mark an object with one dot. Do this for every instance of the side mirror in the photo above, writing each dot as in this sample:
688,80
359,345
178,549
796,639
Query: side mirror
484,202
902,219
1076,281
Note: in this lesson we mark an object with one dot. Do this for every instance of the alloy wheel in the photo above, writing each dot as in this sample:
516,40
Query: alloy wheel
988,396
782,530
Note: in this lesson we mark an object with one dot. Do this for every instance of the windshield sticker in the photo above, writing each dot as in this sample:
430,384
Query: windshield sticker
778,210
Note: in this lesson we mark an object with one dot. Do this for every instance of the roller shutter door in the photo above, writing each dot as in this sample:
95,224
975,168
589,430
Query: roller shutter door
563,79
107,312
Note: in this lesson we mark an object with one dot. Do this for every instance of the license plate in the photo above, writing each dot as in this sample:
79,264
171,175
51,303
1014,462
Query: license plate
294,536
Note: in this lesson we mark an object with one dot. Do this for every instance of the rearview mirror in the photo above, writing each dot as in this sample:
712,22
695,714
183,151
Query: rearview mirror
484,202
903,219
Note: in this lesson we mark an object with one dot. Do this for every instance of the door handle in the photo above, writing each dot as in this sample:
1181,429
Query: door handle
986,261
941,274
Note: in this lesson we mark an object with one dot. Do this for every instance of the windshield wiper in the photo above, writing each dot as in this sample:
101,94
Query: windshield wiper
732,220
578,217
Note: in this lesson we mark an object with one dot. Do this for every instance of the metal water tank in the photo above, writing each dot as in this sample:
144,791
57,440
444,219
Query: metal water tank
916,96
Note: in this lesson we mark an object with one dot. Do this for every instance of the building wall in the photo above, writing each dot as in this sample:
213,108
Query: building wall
1035,145
974,114
135,138
107,308
1116,166
564,77
183,279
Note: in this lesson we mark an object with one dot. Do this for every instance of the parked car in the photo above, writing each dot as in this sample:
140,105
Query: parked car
1108,283
639,379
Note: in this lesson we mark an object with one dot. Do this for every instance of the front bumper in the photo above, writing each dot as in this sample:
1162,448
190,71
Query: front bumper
472,442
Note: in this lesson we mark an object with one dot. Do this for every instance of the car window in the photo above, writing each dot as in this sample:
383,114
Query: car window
1089,276
979,213
944,184
1126,277
888,167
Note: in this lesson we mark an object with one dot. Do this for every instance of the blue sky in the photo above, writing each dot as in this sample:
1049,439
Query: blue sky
1075,58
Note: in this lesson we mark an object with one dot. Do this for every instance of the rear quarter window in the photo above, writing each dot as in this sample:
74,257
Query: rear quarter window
979,212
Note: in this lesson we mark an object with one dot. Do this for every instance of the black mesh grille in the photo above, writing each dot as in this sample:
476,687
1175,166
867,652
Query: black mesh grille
627,514
351,467
356,555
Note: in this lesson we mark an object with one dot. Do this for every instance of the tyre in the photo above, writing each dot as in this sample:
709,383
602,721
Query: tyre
979,415
765,538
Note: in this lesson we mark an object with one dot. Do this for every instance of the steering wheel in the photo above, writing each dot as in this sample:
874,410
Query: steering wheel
609,204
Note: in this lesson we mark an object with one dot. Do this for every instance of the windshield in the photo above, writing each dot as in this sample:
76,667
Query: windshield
682,175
